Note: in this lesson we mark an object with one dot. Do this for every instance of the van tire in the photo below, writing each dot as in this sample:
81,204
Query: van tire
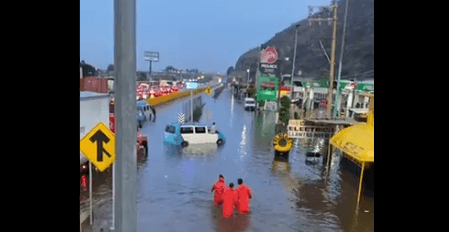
220,141
185,144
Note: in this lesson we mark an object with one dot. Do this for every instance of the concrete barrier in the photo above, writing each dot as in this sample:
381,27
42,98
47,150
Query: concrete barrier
173,96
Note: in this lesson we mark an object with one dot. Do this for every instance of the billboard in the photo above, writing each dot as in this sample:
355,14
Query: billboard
268,58
298,129
191,85
267,88
152,56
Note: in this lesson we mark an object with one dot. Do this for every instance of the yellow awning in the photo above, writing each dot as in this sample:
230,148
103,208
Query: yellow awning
356,141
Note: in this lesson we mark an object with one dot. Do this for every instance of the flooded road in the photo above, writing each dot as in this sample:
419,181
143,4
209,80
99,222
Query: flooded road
173,184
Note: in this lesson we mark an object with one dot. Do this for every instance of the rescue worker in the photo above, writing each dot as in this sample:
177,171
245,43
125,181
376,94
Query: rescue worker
229,201
213,129
154,113
243,196
219,188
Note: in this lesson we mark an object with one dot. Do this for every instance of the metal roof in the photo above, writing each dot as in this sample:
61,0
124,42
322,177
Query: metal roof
86,95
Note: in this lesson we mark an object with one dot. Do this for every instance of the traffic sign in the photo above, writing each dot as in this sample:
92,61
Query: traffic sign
209,91
181,118
99,146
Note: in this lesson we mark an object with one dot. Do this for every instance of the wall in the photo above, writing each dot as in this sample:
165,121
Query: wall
94,84
92,111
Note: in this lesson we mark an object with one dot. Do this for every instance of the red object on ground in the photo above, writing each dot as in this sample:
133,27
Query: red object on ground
219,189
243,196
229,202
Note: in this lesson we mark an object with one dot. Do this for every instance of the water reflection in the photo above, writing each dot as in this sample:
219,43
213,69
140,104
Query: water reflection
232,110
242,149
199,150
236,223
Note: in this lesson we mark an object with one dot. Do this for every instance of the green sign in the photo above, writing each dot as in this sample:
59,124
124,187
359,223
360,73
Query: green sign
266,88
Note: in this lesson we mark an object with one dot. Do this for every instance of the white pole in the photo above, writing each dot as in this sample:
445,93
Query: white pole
191,106
90,191
113,198
349,103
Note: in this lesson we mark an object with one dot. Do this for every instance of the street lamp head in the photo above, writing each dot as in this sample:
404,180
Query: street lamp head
247,70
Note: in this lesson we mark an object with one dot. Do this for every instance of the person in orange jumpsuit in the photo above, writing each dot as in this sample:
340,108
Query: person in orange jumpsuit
219,188
229,201
243,196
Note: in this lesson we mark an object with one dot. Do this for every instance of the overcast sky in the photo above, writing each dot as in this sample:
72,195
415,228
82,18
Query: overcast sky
209,35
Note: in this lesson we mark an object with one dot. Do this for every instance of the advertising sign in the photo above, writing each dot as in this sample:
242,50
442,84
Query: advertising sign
152,56
191,85
266,88
268,58
268,55
298,129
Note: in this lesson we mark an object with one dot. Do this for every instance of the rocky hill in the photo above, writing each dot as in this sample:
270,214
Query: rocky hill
358,57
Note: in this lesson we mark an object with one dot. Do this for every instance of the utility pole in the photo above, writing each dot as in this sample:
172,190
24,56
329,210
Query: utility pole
294,60
334,45
150,69
337,95
125,168
332,68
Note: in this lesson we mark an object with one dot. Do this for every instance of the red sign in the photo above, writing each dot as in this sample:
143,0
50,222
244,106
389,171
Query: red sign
268,55
323,103
112,122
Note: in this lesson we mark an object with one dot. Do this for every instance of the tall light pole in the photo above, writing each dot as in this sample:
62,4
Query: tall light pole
337,96
247,81
294,60
125,183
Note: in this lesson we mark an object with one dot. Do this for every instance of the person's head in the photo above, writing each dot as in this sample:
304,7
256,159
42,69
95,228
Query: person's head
240,181
231,185
220,176
213,123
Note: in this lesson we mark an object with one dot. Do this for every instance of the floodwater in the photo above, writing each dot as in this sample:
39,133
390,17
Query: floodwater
173,184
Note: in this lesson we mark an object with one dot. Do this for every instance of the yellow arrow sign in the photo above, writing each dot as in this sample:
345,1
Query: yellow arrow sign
99,146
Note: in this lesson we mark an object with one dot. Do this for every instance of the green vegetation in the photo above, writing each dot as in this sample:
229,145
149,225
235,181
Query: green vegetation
284,111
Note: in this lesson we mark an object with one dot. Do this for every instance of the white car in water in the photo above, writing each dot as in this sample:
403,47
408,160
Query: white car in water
250,104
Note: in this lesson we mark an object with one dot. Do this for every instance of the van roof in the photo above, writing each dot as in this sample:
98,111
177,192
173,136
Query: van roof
191,124
142,103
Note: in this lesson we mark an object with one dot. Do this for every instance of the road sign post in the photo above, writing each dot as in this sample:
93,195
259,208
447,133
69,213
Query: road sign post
99,146
90,192
209,91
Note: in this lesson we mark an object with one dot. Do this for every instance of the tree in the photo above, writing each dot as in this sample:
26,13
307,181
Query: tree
169,68
110,68
230,69
284,112
88,70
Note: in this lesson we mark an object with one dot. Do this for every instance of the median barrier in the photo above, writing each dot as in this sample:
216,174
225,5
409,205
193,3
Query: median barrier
167,98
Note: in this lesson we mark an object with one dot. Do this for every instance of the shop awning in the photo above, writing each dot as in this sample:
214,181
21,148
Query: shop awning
357,142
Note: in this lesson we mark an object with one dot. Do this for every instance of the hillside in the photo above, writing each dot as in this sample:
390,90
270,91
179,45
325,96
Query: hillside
358,57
